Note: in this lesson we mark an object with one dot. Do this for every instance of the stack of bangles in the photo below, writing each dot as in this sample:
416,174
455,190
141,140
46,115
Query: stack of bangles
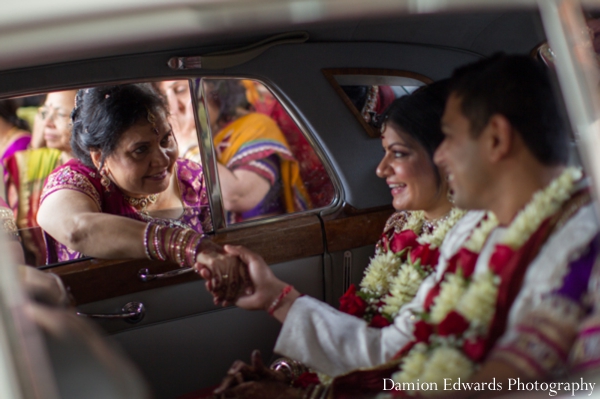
176,244
286,290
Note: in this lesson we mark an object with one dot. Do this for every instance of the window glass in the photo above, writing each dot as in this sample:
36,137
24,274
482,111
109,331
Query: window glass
265,163
38,142
368,93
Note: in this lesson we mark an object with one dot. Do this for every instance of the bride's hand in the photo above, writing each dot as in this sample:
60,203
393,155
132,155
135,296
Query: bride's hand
240,373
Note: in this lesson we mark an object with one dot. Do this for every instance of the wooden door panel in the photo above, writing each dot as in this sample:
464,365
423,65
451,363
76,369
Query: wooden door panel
94,280
352,228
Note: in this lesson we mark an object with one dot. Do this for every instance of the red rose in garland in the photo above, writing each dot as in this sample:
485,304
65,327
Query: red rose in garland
453,324
475,349
424,253
501,256
353,304
402,240
422,331
379,321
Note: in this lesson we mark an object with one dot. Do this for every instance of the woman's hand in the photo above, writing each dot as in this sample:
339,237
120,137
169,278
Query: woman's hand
267,287
226,276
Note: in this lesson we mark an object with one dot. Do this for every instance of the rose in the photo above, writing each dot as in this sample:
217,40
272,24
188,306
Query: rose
502,254
379,321
463,259
402,240
453,324
466,260
474,349
352,304
428,256
422,331
431,295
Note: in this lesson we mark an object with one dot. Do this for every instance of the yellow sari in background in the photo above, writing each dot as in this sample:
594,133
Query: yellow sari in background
26,175
251,139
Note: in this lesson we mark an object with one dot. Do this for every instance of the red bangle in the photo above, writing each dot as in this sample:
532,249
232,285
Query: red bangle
286,290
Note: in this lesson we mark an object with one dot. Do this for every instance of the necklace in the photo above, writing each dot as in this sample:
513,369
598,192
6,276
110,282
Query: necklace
141,204
430,225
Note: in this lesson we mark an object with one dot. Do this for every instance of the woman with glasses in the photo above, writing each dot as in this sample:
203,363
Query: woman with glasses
28,170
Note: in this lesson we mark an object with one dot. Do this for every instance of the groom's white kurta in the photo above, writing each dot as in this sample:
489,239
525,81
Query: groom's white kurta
335,343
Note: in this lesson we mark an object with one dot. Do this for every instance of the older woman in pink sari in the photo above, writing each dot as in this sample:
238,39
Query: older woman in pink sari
126,195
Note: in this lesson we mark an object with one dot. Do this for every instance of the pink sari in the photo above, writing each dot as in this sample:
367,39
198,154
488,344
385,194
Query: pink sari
19,144
74,175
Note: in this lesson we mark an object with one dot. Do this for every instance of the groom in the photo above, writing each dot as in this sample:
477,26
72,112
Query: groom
504,143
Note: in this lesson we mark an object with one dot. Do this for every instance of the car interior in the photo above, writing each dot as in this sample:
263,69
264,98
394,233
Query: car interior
316,75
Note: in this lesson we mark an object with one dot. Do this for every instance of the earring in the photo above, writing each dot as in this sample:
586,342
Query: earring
450,196
104,180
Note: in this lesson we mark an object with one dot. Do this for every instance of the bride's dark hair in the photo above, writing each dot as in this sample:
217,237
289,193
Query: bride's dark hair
419,115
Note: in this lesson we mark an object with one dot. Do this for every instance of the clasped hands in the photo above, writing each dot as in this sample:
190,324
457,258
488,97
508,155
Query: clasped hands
238,276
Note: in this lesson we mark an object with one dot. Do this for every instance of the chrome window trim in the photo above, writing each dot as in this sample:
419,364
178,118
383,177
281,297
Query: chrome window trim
208,158
212,174
578,73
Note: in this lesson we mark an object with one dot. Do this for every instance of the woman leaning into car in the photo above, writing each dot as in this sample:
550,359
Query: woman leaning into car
126,169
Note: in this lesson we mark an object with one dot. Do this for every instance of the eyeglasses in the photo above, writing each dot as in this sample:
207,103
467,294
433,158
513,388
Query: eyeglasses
53,113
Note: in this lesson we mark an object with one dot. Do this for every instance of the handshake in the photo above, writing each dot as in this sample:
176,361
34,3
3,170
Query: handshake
236,275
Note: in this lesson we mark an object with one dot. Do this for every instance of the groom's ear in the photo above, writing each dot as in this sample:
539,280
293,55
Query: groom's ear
498,136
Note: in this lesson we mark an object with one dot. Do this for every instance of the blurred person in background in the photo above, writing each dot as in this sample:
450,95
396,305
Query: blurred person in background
314,175
14,131
179,100
258,173
27,170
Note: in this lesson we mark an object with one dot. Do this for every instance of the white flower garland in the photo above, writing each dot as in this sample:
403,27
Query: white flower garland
476,299
401,281
376,280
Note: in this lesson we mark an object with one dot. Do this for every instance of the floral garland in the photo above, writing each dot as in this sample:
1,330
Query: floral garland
395,274
450,338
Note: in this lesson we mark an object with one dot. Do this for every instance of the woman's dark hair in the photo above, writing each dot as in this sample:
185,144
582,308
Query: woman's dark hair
419,115
102,114
229,95
8,112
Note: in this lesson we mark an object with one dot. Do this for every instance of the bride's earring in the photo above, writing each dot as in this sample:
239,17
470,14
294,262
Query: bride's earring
450,196
449,193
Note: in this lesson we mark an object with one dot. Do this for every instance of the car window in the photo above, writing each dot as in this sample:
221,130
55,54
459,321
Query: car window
369,92
40,143
265,163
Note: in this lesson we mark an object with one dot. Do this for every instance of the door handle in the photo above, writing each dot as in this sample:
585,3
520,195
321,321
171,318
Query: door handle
144,274
132,312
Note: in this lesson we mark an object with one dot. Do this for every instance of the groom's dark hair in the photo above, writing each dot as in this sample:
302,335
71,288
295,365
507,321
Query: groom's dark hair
520,89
